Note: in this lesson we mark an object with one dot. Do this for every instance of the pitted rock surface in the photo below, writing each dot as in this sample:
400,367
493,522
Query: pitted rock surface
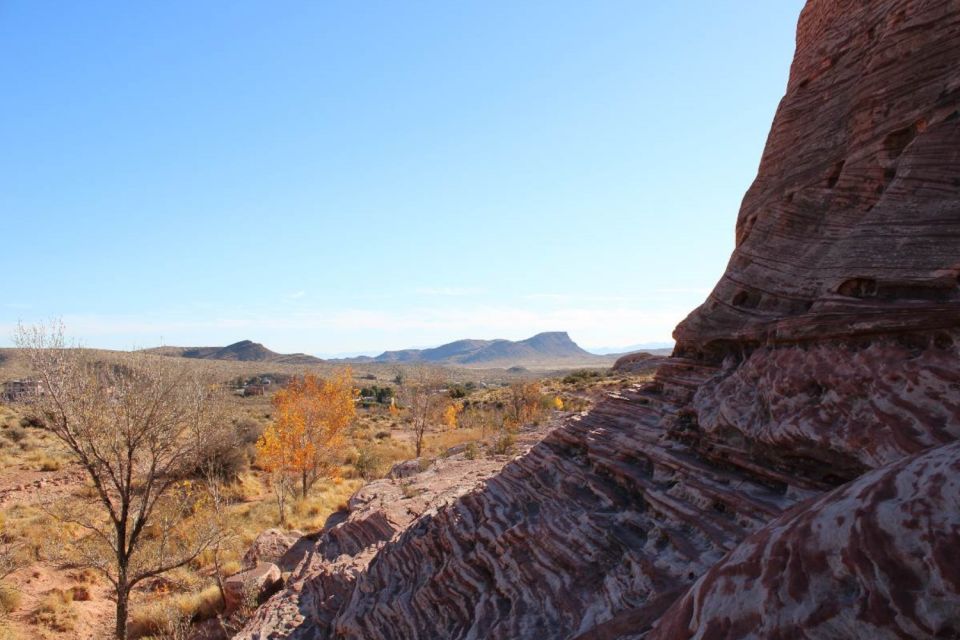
876,558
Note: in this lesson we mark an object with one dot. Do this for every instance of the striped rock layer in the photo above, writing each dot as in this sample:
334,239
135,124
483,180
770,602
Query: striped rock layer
792,472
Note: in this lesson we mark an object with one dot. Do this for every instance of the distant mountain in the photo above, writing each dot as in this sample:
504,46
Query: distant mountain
553,347
649,347
245,351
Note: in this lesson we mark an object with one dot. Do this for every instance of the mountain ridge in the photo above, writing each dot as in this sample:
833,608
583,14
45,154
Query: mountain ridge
242,351
545,346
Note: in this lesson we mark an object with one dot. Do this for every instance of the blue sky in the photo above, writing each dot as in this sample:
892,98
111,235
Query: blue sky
346,176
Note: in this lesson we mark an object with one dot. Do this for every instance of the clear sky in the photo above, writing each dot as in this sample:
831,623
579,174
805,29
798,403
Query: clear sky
333,177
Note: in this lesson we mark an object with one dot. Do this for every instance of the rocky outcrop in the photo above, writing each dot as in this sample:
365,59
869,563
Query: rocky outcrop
327,564
271,545
250,587
873,559
639,362
850,227
792,470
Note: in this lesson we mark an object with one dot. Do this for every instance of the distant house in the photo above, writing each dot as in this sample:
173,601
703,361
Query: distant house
14,390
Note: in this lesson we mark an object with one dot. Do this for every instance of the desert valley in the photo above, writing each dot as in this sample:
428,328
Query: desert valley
789,469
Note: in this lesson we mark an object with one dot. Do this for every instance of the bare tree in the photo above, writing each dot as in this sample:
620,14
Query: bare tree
140,428
421,396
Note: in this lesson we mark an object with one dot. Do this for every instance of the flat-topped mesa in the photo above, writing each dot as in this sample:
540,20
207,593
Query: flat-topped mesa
852,225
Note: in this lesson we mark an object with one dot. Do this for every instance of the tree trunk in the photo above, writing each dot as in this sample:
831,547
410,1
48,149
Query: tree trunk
123,595
303,485
281,499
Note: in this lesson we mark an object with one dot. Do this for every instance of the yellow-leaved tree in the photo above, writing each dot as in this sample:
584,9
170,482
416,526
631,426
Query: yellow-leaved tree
306,439
450,415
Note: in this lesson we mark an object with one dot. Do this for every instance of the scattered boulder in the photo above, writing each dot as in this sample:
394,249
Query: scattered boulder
405,469
252,585
270,546
639,362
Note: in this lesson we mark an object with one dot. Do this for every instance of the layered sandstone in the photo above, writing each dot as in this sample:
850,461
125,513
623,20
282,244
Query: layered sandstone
792,472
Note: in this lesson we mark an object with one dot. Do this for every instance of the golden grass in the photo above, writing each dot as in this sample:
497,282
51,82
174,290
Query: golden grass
438,443
56,611
161,616
28,447
377,441
10,598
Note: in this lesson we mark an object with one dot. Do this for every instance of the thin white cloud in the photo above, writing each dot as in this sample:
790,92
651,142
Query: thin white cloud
449,291
296,295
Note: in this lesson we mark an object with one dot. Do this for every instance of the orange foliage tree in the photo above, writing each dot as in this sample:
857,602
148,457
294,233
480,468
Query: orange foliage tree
450,415
307,436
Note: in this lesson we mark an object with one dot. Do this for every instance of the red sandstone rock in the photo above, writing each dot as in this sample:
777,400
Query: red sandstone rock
270,546
249,585
851,226
875,559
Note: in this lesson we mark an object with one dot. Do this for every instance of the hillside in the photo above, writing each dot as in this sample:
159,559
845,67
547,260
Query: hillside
553,347
243,351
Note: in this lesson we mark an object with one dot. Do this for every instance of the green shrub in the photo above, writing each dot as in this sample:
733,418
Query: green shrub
368,463
504,444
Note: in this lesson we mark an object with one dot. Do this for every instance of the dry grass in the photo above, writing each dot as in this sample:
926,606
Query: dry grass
9,599
438,443
56,611
26,447
162,616
377,441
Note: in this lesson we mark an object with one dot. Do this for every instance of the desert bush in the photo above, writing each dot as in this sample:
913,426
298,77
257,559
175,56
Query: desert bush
10,598
226,460
56,611
31,421
584,375
368,463
80,593
248,431
503,445
49,464
171,617
15,433
471,451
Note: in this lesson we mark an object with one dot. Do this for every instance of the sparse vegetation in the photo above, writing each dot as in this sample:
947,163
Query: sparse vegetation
139,432
56,611
469,418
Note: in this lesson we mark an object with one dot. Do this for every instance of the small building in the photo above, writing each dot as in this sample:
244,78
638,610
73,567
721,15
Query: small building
14,390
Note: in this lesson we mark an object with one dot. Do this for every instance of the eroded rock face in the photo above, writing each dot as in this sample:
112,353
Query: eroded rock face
327,564
876,558
851,226
793,468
